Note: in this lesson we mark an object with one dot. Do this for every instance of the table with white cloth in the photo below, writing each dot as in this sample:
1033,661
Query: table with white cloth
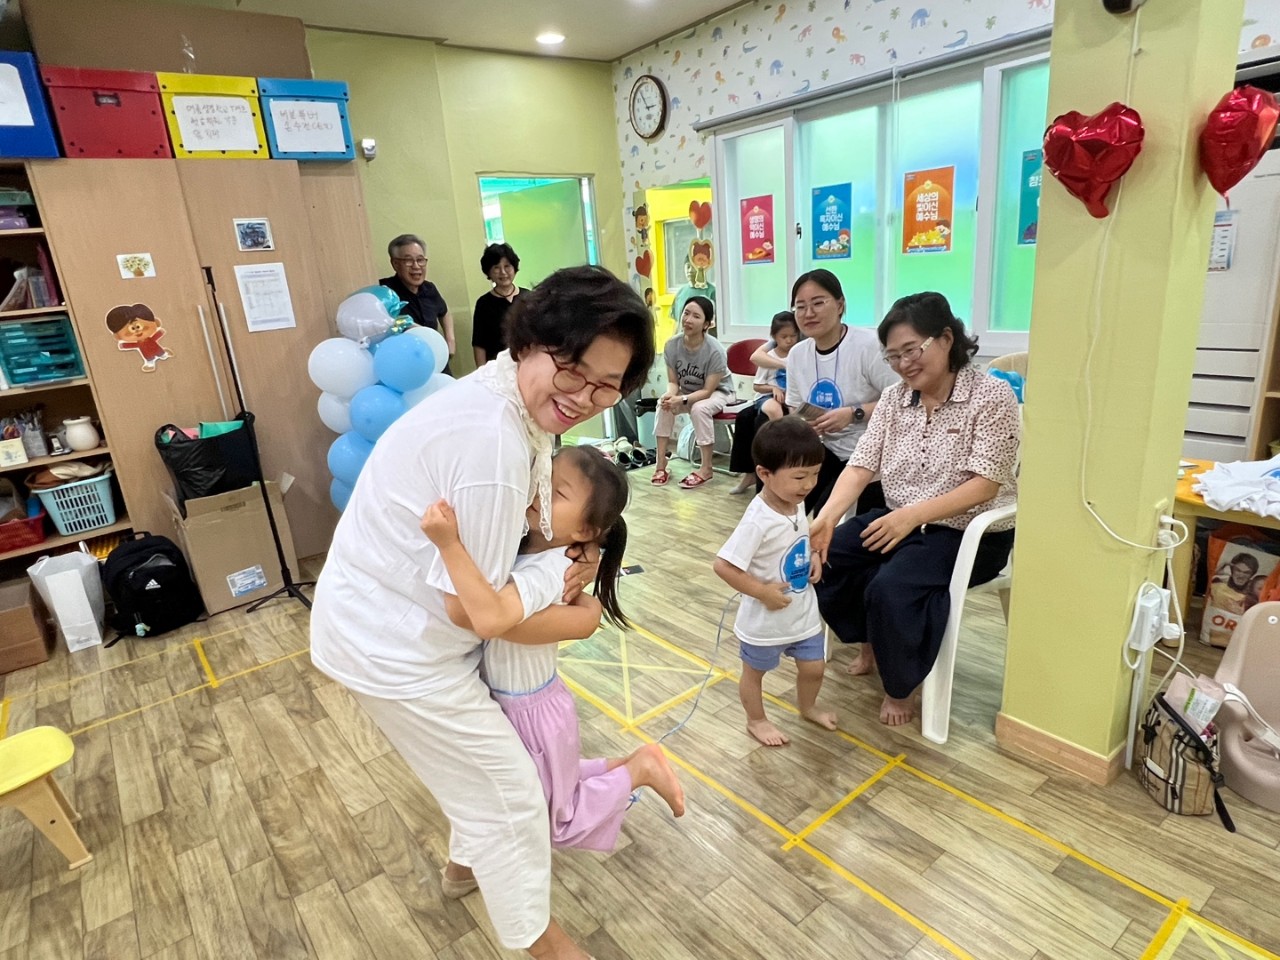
1187,507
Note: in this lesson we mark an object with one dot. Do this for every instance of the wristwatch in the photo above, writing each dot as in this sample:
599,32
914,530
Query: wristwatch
858,413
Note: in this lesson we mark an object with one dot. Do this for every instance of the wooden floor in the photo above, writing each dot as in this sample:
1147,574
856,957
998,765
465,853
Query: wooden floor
265,816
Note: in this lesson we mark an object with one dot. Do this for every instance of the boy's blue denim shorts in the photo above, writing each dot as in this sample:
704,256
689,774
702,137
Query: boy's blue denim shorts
766,658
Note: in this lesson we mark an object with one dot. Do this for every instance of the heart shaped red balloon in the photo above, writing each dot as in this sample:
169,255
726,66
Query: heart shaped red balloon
1089,154
699,214
644,264
1240,129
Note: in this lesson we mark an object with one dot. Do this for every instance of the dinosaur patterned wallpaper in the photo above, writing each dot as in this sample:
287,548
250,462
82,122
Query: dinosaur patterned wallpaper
769,50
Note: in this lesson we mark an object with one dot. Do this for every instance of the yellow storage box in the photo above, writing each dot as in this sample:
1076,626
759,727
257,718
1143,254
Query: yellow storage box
212,116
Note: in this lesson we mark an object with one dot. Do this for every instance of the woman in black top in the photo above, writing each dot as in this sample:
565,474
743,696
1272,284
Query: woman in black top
488,338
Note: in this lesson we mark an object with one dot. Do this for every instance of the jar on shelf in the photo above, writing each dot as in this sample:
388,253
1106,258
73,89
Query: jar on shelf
81,434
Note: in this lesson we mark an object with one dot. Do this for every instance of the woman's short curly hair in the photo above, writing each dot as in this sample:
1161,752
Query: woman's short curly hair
494,254
568,310
929,314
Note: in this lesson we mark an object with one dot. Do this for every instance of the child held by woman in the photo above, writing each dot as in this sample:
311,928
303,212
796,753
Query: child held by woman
587,797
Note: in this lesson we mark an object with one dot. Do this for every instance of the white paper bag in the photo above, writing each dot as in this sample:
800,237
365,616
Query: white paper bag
71,587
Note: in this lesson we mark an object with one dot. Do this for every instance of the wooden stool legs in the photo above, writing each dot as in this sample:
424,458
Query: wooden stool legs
42,802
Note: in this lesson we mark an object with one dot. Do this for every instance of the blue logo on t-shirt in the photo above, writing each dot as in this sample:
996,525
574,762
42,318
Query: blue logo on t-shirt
781,379
795,565
826,394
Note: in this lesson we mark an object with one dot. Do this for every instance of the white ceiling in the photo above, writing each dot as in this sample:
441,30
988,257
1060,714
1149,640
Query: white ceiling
593,29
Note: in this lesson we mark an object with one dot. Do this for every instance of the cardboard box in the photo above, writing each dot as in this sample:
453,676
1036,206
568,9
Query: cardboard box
228,543
25,636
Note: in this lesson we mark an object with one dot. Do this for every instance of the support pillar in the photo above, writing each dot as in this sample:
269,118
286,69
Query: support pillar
1066,689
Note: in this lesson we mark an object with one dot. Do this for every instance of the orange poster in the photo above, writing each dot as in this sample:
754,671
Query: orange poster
927,209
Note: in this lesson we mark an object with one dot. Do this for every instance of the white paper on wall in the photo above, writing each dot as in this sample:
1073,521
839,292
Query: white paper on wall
14,109
264,294
308,126
210,124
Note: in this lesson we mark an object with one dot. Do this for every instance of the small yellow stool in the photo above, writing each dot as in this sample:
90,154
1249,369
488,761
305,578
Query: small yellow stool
27,762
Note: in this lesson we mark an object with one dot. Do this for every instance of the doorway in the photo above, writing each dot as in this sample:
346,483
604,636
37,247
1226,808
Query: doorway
548,221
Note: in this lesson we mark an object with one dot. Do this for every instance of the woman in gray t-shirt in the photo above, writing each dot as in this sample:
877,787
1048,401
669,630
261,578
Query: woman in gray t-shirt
698,383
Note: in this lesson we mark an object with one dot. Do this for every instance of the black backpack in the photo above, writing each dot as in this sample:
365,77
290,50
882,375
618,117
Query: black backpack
148,578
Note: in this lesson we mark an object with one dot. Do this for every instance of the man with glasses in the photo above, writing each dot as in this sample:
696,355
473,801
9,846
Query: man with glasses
422,300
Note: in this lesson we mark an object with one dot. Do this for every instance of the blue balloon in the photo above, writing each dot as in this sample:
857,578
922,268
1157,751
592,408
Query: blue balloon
395,306
374,409
404,362
339,493
347,455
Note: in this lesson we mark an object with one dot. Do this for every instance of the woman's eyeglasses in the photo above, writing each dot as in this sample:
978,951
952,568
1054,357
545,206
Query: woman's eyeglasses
908,355
568,379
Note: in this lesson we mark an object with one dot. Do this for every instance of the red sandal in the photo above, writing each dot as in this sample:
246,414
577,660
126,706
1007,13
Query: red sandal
659,478
693,480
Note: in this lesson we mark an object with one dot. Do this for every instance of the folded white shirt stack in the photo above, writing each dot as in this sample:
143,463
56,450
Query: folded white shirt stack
1249,485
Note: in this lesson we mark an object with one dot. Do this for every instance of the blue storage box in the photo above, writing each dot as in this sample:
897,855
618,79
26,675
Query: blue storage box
306,119
25,130
35,351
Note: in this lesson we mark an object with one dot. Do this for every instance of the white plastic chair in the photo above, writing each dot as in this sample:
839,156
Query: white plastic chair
935,706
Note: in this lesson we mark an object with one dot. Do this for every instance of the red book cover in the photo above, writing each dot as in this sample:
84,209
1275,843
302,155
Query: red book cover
50,278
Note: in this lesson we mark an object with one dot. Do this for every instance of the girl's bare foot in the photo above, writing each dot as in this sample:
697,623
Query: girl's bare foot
895,713
649,767
823,718
767,733
864,663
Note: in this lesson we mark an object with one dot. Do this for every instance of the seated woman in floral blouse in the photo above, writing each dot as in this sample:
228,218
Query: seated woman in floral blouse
944,441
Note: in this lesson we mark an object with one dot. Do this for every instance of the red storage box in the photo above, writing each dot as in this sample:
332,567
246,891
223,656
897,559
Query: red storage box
107,113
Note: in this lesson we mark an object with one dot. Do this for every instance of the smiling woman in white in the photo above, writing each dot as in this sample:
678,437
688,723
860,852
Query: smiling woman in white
580,340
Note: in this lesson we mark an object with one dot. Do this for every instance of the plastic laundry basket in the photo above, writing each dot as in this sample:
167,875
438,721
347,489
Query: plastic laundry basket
80,505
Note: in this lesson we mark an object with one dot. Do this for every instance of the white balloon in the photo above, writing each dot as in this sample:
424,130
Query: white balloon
435,384
362,317
335,412
435,341
341,367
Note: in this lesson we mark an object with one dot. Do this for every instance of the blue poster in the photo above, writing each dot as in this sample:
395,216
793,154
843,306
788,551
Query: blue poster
1029,197
831,226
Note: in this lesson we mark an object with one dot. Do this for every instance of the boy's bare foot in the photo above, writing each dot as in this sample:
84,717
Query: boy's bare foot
895,713
767,733
864,663
650,768
823,718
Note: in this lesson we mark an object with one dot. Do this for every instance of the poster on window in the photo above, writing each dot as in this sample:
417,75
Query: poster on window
831,221
757,229
1029,197
926,210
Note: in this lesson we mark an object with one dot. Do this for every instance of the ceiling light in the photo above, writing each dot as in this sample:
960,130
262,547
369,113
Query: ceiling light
550,38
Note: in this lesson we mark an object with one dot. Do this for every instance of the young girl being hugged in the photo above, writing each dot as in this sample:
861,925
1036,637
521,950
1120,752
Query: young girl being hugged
771,385
698,383
587,798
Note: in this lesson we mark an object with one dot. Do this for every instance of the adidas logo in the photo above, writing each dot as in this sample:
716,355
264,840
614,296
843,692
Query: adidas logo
151,585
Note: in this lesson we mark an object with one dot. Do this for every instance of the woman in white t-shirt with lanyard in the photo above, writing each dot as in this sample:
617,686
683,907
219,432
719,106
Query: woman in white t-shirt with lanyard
834,379
576,343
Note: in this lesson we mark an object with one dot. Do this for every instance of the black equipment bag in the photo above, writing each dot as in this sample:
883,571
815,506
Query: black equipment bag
148,578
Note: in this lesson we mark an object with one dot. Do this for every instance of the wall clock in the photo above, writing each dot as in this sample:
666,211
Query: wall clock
647,106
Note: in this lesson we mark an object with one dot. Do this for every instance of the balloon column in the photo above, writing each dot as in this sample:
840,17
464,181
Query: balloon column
381,366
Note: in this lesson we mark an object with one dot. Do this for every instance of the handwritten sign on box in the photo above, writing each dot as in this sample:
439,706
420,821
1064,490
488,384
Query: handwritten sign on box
211,124
307,126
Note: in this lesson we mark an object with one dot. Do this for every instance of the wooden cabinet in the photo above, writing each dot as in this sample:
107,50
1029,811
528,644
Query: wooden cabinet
179,213
94,211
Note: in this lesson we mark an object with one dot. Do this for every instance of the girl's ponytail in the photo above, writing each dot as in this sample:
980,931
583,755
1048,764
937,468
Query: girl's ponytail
612,548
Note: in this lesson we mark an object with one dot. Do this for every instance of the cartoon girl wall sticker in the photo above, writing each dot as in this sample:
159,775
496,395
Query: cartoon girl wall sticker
135,327
702,254
642,223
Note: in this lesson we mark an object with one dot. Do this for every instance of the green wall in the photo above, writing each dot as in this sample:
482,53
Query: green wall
442,117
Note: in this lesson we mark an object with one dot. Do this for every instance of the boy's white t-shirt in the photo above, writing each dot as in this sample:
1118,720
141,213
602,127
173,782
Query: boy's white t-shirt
515,668
767,376
852,373
767,545
379,624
